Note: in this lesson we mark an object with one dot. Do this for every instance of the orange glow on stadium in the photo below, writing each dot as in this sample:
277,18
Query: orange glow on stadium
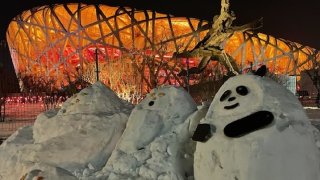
135,48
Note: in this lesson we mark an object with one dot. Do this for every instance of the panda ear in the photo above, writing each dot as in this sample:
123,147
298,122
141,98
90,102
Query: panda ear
262,71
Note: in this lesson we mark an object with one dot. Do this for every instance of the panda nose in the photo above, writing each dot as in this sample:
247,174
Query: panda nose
203,132
231,99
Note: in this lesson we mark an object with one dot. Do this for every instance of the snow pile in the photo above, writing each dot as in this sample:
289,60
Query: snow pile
256,129
44,171
157,141
77,139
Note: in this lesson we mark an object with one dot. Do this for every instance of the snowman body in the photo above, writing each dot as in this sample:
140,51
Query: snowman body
261,132
156,143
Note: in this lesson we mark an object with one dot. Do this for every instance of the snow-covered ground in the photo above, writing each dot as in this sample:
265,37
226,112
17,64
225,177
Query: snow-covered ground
96,135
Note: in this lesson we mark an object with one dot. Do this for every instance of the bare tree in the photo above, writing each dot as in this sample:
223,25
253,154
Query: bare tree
312,69
2,95
8,81
155,66
210,48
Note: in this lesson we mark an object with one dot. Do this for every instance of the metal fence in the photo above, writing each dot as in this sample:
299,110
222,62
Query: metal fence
18,110
308,101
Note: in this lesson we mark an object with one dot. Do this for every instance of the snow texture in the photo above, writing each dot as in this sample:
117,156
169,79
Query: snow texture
254,129
287,148
76,139
157,141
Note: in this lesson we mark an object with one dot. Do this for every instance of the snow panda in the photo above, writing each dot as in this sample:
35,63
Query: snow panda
256,129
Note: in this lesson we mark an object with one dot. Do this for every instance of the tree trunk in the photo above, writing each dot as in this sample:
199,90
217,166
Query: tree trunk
210,47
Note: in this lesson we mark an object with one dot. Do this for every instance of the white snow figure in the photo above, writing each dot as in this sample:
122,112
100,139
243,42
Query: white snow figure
78,138
256,129
44,171
156,143
83,133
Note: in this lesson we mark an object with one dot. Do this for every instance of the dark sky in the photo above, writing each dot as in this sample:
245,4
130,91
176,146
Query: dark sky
295,20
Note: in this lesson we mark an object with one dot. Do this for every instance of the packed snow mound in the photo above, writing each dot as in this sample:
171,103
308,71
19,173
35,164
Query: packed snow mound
78,138
253,129
14,154
157,142
83,111
162,109
98,99
44,171
256,129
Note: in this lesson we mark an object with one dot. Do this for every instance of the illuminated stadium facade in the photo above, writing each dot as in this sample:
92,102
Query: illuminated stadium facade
134,48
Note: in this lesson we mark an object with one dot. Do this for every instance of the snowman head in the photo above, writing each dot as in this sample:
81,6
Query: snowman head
238,96
169,102
237,99
246,104
160,111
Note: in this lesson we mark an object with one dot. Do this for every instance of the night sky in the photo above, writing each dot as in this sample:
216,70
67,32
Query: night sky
294,20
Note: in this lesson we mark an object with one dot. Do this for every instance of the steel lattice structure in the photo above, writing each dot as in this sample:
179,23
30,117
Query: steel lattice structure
134,47
281,56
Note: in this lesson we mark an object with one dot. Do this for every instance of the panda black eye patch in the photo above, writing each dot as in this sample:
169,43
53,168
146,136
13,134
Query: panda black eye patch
151,103
225,95
248,124
242,90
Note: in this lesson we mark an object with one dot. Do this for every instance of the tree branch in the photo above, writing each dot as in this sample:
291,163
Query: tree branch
210,45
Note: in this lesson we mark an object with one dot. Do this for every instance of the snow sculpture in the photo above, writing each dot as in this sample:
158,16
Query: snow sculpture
156,143
44,171
77,138
256,129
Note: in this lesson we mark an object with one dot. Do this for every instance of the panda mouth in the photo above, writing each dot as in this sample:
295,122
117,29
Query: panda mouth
248,124
232,106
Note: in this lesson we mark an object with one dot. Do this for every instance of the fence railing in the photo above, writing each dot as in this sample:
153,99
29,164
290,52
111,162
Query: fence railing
308,101
18,110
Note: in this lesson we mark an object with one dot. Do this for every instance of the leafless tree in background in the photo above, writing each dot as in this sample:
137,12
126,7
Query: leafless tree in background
313,71
210,47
